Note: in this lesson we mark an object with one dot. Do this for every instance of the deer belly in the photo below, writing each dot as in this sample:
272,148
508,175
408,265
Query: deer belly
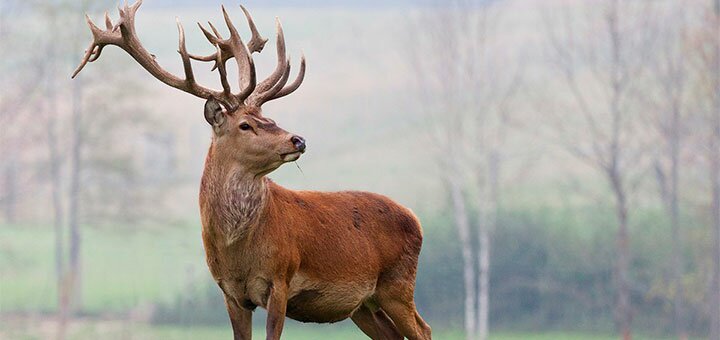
323,302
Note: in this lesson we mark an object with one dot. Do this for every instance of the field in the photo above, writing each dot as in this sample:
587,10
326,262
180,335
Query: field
127,271
119,330
122,267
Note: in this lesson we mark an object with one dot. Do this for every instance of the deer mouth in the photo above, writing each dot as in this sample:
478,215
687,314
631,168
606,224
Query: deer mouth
290,156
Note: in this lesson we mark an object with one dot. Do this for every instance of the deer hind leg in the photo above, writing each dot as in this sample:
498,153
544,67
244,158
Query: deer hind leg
375,324
240,319
396,299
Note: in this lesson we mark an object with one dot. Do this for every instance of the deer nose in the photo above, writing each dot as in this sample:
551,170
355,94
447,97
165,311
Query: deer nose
298,142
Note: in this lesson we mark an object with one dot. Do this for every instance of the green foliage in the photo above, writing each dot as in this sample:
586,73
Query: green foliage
439,287
202,305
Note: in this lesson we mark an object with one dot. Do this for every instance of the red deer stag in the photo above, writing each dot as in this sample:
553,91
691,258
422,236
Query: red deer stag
311,256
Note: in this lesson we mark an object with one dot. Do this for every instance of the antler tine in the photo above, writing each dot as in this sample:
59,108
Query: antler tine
182,49
127,12
268,83
246,66
295,84
214,40
86,58
235,40
96,53
251,81
258,98
217,34
283,80
231,27
100,39
108,22
221,70
256,42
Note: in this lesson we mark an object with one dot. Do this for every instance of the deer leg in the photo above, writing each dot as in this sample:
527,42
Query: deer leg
407,319
240,319
396,299
276,307
376,324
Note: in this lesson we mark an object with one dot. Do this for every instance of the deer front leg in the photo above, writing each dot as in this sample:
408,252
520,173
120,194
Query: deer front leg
276,307
240,319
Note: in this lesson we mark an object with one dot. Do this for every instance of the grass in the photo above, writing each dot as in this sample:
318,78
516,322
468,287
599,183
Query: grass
293,331
122,268
125,268
347,333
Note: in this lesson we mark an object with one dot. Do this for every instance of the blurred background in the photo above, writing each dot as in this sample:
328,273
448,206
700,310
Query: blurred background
562,155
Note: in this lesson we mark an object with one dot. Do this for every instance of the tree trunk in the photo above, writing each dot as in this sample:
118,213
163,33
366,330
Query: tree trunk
671,203
714,154
463,227
623,311
57,222
55,162
55,178
74,197
10,199
487,220
484,278
715,206
677,237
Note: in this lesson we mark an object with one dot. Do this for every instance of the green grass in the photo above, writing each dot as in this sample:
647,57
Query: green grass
313,332
292,331
122,267
303,332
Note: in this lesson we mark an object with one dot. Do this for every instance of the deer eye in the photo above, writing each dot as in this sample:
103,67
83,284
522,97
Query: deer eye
245,126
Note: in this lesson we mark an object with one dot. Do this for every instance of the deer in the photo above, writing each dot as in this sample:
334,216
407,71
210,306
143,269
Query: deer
311,256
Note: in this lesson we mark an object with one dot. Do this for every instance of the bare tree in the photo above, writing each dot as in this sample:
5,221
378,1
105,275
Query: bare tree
74,279
33,99
18,100
51,11
599,69
74,261
55,163
439,83
464,95
68,278
706,67
668,115
714,155
54,153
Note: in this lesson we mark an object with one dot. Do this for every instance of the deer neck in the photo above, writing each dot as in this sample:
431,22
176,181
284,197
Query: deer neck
232,198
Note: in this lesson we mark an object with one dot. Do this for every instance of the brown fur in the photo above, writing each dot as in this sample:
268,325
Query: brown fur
311,256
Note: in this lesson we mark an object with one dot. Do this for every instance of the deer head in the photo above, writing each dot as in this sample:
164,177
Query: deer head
240,132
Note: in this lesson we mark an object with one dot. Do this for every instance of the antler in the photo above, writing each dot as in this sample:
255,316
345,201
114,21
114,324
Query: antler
270,88
124,36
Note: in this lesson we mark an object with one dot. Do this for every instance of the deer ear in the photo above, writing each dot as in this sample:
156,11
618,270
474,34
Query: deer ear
215,113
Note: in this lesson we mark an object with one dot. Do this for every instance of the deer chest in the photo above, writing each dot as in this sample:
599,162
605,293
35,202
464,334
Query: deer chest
248,292
243,273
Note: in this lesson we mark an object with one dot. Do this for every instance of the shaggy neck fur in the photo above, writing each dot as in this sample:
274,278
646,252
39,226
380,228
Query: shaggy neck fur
234,197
